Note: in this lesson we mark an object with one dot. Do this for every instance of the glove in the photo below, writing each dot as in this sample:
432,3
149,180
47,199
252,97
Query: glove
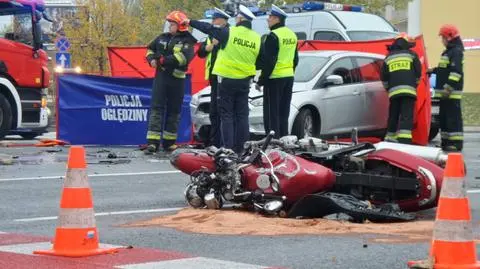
153,63
447,90
161,60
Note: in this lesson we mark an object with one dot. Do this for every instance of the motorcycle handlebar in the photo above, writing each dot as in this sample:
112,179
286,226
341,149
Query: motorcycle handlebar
267,140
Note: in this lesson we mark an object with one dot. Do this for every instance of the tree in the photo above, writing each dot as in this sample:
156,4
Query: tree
97,25
153,13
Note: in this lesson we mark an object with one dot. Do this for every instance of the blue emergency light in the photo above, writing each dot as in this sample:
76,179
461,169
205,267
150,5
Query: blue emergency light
256,10
316,5
296,8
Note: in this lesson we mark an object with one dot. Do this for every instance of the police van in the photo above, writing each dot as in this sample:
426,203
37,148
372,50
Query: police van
325,21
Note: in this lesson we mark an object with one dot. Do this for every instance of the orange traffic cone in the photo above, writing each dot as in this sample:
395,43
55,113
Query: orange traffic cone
453,245
76,234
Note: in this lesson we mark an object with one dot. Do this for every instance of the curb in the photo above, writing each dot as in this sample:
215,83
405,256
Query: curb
471,129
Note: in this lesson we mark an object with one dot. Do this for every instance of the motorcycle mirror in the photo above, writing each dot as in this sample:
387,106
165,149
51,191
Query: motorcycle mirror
273,206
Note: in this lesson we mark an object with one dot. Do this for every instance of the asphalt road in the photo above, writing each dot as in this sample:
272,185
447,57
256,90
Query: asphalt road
142,189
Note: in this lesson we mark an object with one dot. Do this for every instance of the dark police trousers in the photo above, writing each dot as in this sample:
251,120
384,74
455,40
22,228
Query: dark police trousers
401,108
215,132
165,108
277,95
233,108
451,124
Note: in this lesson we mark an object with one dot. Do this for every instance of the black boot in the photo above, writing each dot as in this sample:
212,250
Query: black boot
151,149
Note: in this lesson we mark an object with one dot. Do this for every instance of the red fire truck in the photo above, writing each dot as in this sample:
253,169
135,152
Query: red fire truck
24,75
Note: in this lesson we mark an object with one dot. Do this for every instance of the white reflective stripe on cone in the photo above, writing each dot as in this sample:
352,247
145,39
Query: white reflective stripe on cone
453,188
76,218
76,178
453,230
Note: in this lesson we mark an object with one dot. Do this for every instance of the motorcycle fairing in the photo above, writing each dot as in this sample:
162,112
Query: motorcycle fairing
297,176
182,160
429,175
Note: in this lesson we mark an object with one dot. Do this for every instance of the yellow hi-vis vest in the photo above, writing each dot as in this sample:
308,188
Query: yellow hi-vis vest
237,59
287,44
208,61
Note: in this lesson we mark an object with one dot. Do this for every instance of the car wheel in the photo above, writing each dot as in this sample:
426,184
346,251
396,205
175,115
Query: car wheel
306,124
5,116
433,132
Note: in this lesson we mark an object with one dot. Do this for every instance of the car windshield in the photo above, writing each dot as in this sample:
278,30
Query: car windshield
308,67
17,26
370,35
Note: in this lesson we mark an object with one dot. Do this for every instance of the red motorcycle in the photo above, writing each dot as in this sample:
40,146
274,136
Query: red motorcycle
308,178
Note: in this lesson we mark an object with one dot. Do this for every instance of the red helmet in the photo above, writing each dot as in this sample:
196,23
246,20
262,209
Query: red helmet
403,35
449,31
179,18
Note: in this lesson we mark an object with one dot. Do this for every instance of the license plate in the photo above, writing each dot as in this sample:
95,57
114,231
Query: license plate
435,110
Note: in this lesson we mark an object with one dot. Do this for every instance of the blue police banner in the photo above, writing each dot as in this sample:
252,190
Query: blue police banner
96,110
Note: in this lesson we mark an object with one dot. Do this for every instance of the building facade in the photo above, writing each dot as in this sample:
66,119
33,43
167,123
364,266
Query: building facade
426,16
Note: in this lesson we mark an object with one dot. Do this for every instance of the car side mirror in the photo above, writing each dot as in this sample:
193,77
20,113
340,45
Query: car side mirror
333,80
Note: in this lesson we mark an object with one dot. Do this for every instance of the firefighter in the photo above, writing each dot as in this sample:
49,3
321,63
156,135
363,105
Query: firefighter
209,50
170,54
237,61
279,60
401,72
449,87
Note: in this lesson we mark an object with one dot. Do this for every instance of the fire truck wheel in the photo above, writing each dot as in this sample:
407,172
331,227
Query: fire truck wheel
5,116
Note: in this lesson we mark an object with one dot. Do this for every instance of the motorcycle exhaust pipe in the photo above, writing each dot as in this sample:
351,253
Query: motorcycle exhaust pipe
435,155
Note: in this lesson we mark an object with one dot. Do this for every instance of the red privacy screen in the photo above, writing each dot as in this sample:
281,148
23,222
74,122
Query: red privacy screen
130,62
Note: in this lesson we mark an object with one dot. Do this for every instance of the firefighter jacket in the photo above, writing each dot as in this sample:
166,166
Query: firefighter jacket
401,70
176,52
450,70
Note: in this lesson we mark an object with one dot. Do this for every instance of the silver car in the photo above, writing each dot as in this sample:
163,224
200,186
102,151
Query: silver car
333,92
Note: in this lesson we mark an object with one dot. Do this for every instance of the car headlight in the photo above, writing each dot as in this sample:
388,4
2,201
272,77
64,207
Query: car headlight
195,101
257,102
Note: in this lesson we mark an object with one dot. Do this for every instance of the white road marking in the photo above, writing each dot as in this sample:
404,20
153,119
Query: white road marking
198,262
27,249
94,175
144,211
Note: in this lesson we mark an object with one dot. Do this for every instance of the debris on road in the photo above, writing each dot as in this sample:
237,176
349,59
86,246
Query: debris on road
230,222
6,159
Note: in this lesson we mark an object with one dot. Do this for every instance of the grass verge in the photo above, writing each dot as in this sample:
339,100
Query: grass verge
471,109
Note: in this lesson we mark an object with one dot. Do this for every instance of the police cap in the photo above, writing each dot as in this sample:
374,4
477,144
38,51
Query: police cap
218,13
278,12
246,13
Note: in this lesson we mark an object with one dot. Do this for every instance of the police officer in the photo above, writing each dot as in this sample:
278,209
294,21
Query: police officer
279,60
401,74
449,87
236,65
209,50
170,54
